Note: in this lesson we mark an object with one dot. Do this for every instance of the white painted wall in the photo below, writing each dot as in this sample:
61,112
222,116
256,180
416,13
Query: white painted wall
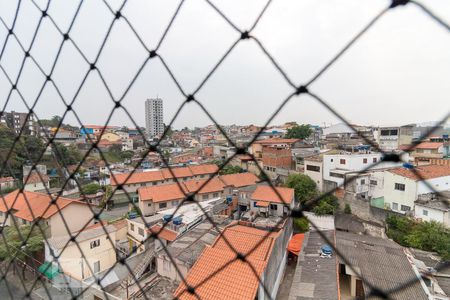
432,215
353,162
316,176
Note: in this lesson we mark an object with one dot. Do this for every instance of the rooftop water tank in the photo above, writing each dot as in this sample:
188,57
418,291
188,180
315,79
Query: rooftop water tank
177,220
167,218
408,166
326,249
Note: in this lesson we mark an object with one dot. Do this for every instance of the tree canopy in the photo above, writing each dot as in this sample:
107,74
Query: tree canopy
428,236
229,169
12,247
305,187
299,132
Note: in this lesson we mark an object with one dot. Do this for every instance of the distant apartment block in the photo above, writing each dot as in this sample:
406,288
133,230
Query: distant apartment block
15,121
154,117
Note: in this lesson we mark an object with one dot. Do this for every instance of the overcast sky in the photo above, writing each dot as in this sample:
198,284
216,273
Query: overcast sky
398,72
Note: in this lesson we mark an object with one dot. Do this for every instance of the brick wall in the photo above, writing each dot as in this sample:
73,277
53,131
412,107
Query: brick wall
277,158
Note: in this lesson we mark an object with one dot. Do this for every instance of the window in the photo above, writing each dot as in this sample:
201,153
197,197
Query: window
331,160
97,266
254,204
141,231
205,197
363,181
374,160
394,206
273,206
313,168
425,212
95,243
175,203
337,175
405,208
149,204
373,182
162,205
342,161
215,195
131,226
364,160
399,187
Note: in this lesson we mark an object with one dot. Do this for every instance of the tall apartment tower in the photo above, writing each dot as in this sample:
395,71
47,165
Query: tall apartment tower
154,117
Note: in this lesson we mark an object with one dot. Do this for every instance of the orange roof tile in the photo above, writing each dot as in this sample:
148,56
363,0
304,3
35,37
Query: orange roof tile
158,175
214,185
37,202
276,141
429,145
204,169
34,177
221,274
6,179
266,193
161,193
423,172
262,203
239,179
166,234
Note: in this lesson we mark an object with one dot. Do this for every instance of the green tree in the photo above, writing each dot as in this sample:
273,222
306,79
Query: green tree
428,236
12,246
299,132
301,224
126,154
91,188
66,155
305,187
327,205
347,209
229,169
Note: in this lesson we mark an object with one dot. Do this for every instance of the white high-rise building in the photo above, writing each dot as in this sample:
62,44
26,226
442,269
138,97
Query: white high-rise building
154,117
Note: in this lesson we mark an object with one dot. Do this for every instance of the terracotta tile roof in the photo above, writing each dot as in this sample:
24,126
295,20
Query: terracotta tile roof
240,179
204,169
177,172
214,185
33,177
266,193
262,203
276,141
424,172
429,145
158,175
38,202
166,234
237,280
6,179
160,193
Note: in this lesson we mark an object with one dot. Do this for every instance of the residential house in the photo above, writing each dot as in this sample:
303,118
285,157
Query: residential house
7,183
256,147
336,166
433,207
423,152
36,182
156,198
27,207
313,167
186,249
225,277
403,185
268,202
131,182
92,252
